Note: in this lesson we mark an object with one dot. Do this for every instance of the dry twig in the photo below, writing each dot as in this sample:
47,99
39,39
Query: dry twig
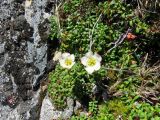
119,41
57,17
91,33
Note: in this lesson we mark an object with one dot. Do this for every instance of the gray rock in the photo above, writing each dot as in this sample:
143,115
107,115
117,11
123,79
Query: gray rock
77,106
68,112
24,59
48,111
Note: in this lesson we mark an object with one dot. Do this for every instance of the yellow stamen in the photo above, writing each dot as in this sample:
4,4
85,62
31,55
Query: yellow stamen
91,61
68,61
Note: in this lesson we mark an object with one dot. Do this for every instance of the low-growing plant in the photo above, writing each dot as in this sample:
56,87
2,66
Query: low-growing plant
74,83
104,34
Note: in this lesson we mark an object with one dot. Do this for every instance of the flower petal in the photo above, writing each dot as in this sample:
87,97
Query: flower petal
98,57
67,56
84,60
62,62
70,66
88,54
72,57
97,66
57,56
64,55
90,70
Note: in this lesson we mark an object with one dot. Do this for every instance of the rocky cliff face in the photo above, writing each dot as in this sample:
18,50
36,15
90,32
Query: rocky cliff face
24,30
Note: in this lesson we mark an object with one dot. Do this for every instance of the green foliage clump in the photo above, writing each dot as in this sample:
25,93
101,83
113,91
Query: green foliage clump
117,107
82,22
74,83
61,86
145,111
77,24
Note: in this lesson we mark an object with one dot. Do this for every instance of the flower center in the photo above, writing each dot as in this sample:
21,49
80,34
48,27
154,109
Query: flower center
68,61
91,61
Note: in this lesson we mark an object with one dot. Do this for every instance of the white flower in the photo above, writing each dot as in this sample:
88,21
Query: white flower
57,56
92,62
28,3
67,60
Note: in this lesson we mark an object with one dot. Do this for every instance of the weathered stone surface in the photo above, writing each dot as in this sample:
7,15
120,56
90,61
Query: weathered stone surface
24,30
48,111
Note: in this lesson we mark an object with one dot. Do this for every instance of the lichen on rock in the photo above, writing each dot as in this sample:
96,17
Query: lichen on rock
24,33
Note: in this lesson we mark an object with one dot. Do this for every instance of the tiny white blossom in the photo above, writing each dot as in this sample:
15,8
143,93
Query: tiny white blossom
28,3
67,60
92,62
57,56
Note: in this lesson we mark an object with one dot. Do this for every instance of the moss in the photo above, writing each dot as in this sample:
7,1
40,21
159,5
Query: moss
117,107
